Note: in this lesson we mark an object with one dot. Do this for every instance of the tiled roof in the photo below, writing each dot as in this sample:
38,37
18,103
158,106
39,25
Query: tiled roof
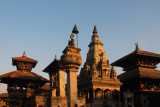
134,54
140,73
53,66
24,59
25,75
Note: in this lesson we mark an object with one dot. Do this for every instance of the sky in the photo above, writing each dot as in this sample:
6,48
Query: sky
42,29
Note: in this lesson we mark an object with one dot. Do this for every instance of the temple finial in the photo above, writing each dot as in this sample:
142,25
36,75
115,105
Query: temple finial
137,46
24,54
95,29
75,30
55,57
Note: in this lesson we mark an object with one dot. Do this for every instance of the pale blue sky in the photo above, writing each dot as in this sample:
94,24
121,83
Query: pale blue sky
42,28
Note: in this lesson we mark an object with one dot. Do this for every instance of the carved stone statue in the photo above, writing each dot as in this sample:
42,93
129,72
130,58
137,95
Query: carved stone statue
72,41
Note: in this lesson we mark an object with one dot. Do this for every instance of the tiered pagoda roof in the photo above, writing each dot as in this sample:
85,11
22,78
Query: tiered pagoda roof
23,73
139,64
31,76
24,58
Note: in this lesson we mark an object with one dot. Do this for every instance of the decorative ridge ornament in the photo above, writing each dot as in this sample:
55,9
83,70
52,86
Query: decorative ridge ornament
137,47
24,54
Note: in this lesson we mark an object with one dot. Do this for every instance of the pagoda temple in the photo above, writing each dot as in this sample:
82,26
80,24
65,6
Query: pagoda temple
23,85
141,80
98,80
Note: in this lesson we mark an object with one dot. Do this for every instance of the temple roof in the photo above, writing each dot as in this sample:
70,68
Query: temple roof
134,56
24,58
23,76
53,66
140,73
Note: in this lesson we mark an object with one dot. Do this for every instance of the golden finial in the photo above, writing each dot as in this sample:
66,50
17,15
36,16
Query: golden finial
137,46
24,54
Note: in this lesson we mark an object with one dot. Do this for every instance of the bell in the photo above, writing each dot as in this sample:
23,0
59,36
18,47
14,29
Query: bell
75,30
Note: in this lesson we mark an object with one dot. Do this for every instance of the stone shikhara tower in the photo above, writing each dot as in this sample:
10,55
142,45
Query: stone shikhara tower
97,80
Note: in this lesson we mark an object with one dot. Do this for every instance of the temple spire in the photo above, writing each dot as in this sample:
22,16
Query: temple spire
95,30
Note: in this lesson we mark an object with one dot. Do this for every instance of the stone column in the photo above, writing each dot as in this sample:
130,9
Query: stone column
52,80
71,60
72,88
61,85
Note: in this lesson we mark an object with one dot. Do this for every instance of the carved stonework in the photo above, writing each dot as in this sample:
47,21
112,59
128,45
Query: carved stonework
71,58
96,75
71,55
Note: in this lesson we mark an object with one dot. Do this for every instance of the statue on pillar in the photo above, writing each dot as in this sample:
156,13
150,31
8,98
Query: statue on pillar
72,41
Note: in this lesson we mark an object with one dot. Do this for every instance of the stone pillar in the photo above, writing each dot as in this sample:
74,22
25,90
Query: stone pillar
72,88
52,88
61,85
71,60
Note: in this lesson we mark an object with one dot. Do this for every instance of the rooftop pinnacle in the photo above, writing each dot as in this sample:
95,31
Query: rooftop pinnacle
95,29
24,54
137,47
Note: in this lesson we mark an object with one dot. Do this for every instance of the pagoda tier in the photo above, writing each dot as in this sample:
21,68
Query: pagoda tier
139,64
22,78
24,63
138,58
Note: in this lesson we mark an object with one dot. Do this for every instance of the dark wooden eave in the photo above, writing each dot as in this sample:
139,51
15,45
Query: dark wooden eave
24,76
53,66
140,72
134,57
